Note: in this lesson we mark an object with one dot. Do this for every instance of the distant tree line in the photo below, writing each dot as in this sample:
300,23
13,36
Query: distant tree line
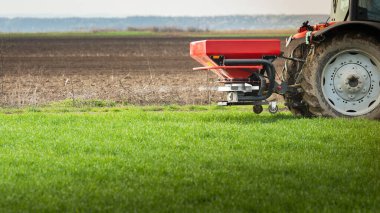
157,23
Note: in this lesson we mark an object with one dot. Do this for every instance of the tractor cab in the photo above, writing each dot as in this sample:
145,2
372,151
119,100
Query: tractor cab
355,10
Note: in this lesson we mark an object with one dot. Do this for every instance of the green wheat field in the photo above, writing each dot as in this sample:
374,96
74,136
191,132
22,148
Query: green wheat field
106,158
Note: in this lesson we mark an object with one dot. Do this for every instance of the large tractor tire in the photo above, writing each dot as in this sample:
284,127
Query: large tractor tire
341,78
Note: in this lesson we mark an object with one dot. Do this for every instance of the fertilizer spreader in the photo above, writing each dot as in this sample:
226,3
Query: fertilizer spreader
244,67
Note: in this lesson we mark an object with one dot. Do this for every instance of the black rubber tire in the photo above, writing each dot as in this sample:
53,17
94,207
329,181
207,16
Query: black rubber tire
258,109
316,62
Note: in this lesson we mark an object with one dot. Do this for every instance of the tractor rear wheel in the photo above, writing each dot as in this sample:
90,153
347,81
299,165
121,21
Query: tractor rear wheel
342,77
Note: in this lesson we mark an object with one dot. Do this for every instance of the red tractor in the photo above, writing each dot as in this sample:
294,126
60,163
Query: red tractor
331,69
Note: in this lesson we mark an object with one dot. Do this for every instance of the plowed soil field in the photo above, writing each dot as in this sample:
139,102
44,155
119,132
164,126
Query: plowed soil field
139,71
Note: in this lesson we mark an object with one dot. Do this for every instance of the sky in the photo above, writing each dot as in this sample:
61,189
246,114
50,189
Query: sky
123,8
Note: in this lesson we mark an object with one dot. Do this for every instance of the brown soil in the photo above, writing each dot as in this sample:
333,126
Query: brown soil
133,70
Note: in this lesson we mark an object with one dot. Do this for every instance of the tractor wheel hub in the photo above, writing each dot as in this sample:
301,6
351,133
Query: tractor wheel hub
350,81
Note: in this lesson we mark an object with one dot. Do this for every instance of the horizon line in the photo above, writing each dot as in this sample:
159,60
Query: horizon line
147,16
160,16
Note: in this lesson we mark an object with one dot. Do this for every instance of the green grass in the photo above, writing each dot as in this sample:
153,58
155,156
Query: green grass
185,159
241,35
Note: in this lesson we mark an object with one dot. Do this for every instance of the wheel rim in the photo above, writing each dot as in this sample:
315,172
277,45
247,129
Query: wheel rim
351,83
